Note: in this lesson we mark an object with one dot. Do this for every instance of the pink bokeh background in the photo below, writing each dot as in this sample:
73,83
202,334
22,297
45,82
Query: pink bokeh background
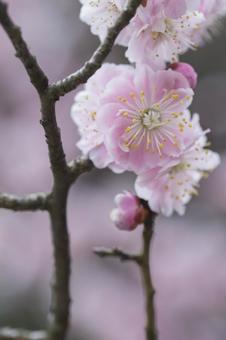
188,254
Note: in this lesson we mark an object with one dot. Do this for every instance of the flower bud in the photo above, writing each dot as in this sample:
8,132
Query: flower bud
188,72
129,212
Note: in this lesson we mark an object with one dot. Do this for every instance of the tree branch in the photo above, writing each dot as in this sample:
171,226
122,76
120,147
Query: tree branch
15,334
60,304
90,67
63,174
37,76
31,202
59,316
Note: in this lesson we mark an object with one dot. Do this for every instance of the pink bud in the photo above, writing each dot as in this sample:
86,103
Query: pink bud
188,72
129,212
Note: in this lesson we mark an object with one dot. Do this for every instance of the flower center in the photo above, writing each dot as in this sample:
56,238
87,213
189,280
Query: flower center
151,118
149,125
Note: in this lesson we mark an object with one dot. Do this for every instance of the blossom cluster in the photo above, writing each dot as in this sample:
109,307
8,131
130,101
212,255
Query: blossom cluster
161,30
136,117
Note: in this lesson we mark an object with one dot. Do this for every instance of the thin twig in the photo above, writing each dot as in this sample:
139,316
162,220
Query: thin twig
19,334
70,83
37,76
108,252
31,202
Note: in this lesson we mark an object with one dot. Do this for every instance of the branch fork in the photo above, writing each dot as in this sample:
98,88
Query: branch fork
55,203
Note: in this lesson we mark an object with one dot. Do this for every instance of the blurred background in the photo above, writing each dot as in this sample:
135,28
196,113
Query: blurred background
188,254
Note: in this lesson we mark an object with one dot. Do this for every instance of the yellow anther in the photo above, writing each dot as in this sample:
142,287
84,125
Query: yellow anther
128,129
174,96
175,114
93,115
154,35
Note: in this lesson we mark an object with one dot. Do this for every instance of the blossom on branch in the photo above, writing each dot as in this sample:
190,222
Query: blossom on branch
137,119
133,118
144,117
159,32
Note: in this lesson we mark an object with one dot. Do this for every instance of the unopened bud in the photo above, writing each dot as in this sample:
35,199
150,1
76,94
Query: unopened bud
188,72
129,212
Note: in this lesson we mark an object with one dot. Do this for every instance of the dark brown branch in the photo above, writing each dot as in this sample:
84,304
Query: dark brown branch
37,76
60,305
31,202
53,139
81,76
16,334
59,316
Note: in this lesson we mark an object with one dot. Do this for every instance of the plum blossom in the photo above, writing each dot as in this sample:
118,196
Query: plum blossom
129,212
144,117
159,32
84,113
188,71
171,187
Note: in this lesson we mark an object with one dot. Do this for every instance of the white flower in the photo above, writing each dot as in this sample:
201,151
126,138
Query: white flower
101,14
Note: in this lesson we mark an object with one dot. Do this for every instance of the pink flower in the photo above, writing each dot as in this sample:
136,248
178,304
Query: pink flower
169,188
188,71
84,113
161,31
129,212
144,117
